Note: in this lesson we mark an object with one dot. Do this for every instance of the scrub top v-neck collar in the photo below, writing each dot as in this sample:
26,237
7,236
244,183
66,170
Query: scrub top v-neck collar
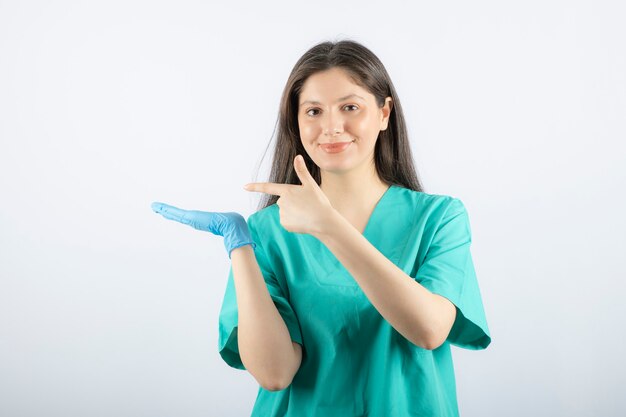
333,268
372,217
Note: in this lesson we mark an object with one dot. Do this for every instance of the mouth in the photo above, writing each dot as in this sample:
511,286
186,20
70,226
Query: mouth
335,147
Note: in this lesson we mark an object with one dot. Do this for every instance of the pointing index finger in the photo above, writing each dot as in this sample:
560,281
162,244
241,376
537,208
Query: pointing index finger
267,187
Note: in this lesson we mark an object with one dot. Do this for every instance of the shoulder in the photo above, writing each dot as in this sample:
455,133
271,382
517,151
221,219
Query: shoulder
432,205
432,213
264,219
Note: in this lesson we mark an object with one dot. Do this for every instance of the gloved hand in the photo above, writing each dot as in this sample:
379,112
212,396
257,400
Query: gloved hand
232,226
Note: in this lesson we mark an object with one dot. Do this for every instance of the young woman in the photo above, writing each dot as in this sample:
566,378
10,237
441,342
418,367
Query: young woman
349,285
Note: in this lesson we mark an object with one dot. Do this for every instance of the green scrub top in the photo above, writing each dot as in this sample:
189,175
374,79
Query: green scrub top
353,362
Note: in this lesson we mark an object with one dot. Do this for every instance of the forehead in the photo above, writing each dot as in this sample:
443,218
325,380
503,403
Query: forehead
331,85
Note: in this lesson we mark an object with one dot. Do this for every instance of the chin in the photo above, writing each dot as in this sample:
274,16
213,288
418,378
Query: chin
337,167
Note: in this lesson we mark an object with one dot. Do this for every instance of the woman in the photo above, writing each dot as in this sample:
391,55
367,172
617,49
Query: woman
349,285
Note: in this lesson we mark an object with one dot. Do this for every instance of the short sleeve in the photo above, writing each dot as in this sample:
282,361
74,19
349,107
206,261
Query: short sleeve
448,270
228,318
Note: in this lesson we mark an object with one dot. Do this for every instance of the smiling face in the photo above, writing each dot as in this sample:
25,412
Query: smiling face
334,110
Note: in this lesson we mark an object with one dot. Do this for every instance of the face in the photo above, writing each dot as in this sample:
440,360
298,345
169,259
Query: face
334,110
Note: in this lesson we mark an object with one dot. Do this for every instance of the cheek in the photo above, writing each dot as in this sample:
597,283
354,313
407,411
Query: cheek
361,124
372,120
309,131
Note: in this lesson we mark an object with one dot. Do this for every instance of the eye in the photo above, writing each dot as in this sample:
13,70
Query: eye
316,109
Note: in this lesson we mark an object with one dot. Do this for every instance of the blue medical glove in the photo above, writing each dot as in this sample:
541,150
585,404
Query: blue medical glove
232,226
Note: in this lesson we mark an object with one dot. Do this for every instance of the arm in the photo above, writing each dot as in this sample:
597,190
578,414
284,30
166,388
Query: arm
420,316
265,345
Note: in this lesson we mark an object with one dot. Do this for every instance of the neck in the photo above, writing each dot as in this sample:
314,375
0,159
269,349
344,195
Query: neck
353,191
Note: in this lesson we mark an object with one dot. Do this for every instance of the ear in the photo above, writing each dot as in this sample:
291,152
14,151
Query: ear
386,110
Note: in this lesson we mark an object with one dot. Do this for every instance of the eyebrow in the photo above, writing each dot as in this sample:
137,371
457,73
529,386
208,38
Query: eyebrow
340,99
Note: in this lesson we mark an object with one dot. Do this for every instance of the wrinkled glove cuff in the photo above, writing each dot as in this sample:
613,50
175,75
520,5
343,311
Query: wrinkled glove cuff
237,245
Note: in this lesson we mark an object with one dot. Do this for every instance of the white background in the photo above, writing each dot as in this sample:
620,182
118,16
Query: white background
106,308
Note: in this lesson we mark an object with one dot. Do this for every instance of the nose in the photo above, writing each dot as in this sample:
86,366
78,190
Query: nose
335,132
333,124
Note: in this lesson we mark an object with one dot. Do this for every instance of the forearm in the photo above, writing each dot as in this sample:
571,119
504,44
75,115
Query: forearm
265,344
416,313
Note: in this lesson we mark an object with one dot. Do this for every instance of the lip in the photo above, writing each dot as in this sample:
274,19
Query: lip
335,147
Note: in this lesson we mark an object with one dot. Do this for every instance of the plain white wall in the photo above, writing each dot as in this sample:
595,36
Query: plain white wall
108,309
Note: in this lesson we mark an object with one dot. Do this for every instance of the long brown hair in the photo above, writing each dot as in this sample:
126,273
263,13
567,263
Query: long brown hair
392,153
